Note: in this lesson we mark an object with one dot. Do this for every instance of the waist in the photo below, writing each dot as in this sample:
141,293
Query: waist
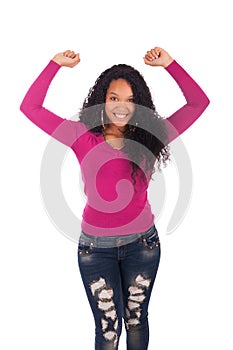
113,241
125,222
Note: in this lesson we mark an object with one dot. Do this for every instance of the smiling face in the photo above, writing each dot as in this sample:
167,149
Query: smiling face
119,106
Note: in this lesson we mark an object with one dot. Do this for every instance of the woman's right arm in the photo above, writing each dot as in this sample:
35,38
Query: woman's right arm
32,105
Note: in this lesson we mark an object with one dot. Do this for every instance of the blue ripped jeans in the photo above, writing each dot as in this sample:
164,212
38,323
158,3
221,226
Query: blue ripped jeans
118,281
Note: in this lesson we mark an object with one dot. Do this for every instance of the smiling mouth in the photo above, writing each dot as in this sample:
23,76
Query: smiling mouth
120,116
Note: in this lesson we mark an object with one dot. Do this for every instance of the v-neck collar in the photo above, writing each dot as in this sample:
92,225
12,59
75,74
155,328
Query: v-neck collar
109,146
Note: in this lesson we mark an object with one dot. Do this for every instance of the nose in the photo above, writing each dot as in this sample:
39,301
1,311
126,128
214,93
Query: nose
122,107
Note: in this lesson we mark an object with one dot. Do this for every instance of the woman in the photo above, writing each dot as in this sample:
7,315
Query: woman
118,140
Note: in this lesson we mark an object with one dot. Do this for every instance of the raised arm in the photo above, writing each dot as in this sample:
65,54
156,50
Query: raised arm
32,105
196,99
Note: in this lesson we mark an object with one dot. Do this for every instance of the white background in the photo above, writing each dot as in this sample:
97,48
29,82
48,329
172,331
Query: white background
43,303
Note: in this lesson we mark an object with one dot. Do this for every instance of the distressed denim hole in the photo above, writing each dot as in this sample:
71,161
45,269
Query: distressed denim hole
105,303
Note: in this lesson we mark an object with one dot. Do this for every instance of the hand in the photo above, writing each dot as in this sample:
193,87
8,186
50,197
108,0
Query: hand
67,58
158,57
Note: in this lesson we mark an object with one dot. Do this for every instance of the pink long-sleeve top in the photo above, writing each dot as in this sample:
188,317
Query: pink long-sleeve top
113,207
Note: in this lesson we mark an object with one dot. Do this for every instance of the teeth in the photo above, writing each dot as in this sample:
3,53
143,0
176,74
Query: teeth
120,116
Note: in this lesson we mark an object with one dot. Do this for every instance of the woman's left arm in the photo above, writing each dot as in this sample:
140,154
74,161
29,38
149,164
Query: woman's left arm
196,99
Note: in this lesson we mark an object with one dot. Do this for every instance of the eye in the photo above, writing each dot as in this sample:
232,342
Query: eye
131,100
113,98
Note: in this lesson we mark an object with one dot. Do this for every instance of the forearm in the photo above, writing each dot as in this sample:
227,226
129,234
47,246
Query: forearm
32,104
196,101
36,94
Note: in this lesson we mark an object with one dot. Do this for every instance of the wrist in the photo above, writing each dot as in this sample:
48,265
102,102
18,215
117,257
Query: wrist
168,62
54,59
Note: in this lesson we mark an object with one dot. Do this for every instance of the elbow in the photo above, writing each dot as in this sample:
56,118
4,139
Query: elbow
203,103
200,102
206,102
26,108
23,107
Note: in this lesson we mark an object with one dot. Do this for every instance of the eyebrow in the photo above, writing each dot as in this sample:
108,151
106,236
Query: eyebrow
114,93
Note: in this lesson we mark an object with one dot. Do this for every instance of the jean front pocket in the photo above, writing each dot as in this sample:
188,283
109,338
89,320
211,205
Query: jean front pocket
85,247
152,241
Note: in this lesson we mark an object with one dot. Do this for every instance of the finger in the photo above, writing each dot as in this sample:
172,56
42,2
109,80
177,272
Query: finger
155,53
76,60
77,57
71,54
149,55
147,61
158,50
66,53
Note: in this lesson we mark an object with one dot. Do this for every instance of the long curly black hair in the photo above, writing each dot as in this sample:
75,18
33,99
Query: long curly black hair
146,127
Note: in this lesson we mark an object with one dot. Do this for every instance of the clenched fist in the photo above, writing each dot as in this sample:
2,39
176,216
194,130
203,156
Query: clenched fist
157,57
67,58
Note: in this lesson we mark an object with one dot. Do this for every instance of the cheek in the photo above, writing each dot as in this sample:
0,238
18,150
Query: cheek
108,108
132,109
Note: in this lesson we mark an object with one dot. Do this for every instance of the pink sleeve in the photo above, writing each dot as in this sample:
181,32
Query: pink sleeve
64,130
196,99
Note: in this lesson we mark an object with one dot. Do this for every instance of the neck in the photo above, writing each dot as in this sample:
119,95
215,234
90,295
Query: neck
114,129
